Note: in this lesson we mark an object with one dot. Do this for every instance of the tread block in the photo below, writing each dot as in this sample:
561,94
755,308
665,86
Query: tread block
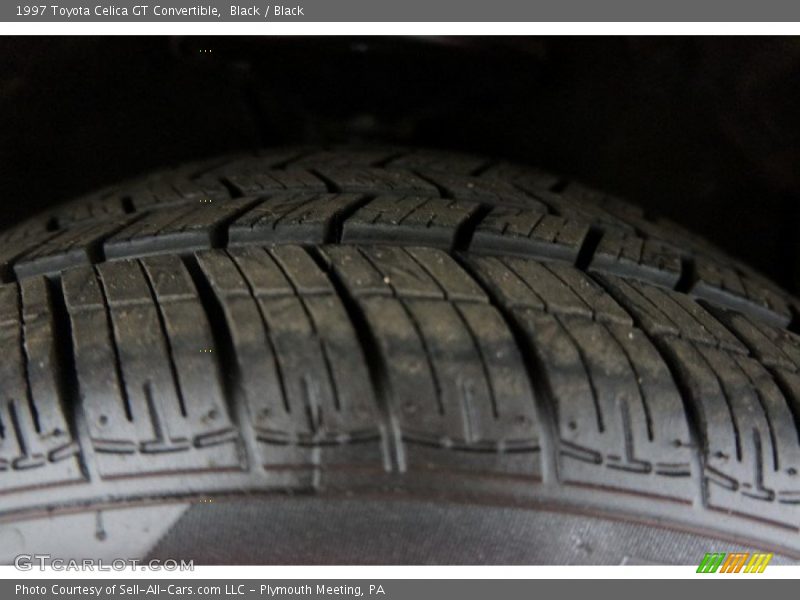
383,270
540,185
14,248
179,229
168,413
29,228
454,373
788,436
376,181
307,391
549,287
408,220
405,272
300,270
441,388
103,204
37,447
251,179
746,430
191,345
292,180
454,282
773,346
776,396
161,191
631,256
292,218
466,403
514,419
71,247
528,232
477,189
736,288
615,405
663,313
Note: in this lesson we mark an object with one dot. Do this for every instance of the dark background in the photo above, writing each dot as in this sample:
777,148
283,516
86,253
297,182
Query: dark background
705,131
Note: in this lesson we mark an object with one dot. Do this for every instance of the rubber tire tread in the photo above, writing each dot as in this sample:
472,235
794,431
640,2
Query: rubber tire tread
388,320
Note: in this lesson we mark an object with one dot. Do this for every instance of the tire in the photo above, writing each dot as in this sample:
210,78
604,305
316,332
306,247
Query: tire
393,324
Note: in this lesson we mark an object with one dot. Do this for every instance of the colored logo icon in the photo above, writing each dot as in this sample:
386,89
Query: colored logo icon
735,562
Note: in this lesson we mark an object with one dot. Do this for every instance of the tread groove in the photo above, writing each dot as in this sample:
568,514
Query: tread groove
588,248
687,397
16,426
330,185
220,231
127,205
23,348
688,276
465,232
601,427
794,323
393,445
123,388
335,231
418,330
267,333
648,416
767,418
731,412
792,403
166,338
443,193
224,350
232,189
67,371
534,372
484,367
317,336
